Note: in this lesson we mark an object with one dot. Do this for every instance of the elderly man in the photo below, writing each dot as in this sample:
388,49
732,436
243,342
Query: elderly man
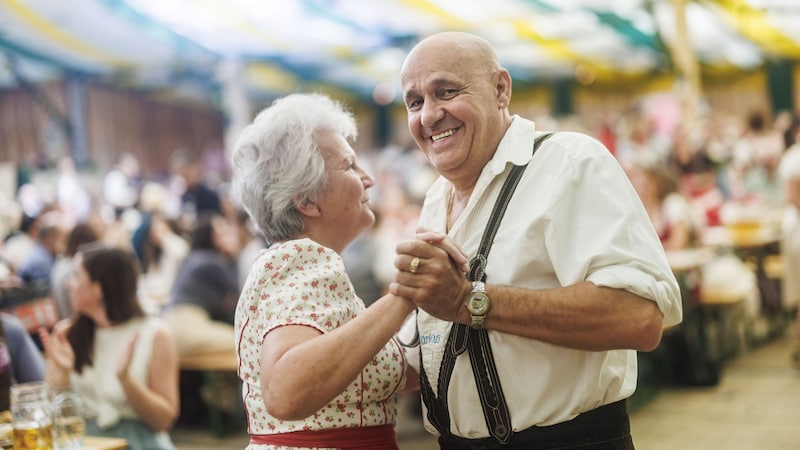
536,346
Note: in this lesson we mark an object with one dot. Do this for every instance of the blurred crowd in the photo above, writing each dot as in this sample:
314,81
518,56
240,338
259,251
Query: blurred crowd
193,242
708,174
719,170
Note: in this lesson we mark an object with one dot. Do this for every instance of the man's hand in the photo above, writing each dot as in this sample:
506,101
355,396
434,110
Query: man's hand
437,285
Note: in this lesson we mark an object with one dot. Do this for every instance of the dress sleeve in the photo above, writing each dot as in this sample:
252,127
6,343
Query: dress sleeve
303,283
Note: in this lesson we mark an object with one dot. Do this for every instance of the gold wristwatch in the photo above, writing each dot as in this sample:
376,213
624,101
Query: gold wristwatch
478,304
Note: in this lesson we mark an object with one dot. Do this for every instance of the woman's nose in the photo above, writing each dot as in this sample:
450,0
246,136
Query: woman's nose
367,179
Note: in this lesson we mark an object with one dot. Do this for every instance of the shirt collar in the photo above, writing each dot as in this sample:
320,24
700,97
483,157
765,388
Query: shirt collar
515,147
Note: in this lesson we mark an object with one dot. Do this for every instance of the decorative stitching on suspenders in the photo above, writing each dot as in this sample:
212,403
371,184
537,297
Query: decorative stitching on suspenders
462,338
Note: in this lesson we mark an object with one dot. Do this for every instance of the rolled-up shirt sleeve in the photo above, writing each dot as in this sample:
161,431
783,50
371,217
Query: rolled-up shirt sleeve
599,231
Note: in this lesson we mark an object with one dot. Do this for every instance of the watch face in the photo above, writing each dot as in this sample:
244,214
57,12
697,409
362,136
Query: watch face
478,303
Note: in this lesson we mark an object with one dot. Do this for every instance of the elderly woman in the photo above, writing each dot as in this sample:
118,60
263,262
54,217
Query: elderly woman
319,370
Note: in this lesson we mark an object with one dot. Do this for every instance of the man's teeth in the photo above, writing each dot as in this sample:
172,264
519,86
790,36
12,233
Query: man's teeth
443,135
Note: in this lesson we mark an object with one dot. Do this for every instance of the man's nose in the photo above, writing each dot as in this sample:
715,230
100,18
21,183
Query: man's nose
431,113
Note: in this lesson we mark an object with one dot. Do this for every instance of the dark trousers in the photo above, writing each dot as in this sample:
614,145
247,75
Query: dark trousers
604,428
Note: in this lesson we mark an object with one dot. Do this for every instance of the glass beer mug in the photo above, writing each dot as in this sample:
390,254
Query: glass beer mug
31,416
68,422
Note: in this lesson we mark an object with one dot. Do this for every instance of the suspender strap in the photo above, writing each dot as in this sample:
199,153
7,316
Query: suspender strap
436,404
477,264
463,337
487,380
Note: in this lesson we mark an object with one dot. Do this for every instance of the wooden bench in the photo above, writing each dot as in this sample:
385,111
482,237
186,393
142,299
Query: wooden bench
210,364
103,443
210,361
725,309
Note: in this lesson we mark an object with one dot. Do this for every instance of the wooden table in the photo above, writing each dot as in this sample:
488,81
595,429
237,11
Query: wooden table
104,443
753,246
728,237
209,361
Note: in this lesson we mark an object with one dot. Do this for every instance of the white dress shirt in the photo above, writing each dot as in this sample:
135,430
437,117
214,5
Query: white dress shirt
574,217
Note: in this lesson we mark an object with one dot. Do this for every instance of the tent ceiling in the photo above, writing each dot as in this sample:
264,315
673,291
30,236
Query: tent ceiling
358,45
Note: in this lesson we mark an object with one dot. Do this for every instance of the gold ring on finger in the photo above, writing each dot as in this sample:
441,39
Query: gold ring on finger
414,265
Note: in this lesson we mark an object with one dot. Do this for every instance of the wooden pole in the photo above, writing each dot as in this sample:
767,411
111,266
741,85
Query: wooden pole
686,64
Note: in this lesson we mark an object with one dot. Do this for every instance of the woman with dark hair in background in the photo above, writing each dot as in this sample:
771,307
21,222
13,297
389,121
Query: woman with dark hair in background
122,362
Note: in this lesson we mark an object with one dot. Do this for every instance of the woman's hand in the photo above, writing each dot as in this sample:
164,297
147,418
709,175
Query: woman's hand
457,256
58,351
59,355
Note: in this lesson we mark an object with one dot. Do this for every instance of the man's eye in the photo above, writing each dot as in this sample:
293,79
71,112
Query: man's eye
413,104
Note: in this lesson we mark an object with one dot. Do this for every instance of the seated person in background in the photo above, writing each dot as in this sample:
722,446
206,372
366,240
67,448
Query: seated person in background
667,209
122,362
197,198
756,155
698,183
160,251
27,362
204,295
49,244
18,244
20,359
200,311
789,171
80,234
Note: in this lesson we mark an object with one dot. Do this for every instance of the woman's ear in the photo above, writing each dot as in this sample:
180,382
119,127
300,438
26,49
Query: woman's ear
307,207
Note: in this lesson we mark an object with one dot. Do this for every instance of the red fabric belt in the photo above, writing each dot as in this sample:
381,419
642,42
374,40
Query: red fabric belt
381,437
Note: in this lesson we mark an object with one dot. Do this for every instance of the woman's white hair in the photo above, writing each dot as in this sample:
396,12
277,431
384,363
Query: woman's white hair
277,164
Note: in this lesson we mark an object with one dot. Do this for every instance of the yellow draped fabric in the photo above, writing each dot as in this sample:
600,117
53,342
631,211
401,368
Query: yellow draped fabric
754,24
61,38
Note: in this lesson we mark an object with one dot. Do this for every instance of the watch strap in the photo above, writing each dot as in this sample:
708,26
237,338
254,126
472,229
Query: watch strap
477,321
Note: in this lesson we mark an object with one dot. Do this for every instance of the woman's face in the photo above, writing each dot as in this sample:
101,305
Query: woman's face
344,205
85,295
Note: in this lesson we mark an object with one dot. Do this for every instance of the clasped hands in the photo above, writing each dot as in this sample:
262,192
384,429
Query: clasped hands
430,273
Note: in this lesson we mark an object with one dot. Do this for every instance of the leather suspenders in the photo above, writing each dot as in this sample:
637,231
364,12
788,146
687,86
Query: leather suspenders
476,341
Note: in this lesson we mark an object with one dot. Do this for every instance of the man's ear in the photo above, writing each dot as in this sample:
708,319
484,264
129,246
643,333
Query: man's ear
503,87
307,207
